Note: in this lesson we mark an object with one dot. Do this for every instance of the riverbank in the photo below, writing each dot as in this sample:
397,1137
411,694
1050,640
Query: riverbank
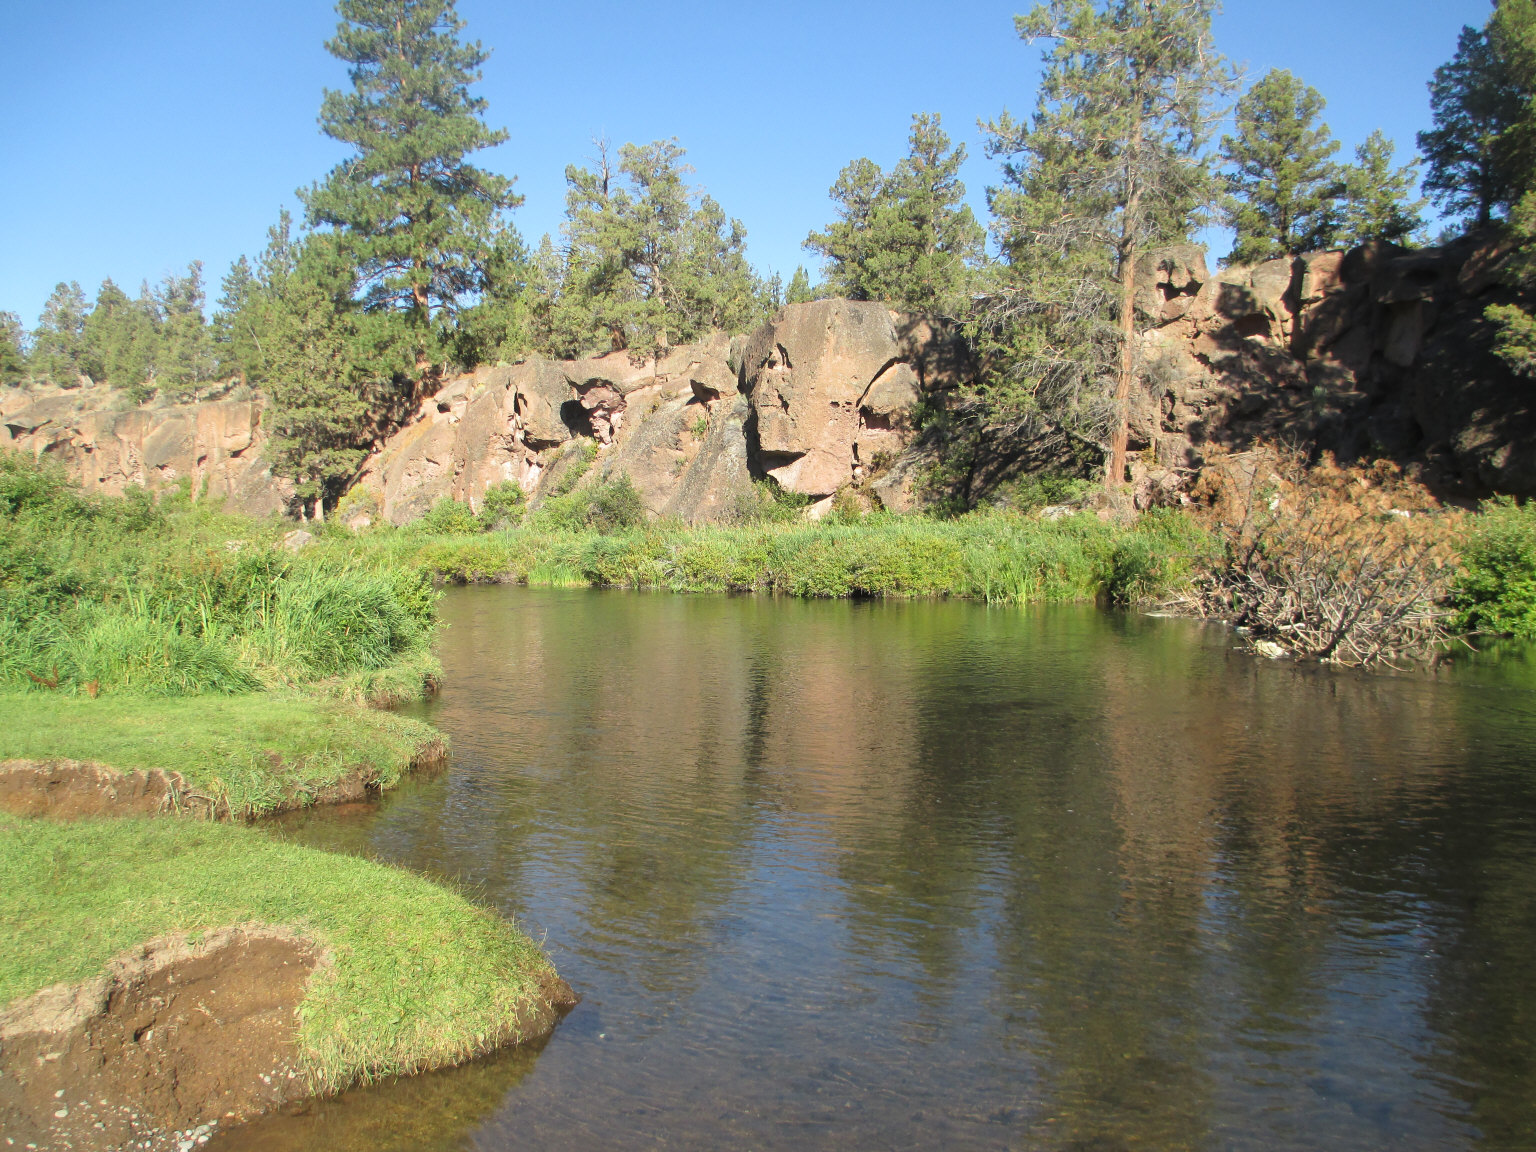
1000,558
318,971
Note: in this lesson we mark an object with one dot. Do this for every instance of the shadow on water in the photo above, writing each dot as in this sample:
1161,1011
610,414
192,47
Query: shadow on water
919,875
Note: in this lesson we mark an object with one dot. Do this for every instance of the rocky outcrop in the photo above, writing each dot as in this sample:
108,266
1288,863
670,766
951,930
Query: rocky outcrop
216,445
1377,352
1380,351
813,399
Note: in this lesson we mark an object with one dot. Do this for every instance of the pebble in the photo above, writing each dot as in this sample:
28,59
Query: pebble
61,1113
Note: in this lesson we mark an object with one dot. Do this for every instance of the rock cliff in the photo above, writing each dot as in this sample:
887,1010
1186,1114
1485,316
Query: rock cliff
1380,351
812,398
217,445
1376,352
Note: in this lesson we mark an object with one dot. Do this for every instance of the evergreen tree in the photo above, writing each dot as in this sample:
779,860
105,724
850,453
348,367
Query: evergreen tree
1477,100
185,356
235,345
1111,164
799,290
417,222
317,413
1377,202
13,355
1283,188
58,343
647,261
122,340
906,237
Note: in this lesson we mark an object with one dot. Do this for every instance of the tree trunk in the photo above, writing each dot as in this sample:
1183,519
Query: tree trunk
1114,472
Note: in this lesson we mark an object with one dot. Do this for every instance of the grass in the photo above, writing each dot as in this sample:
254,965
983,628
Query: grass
421,977
254,751
126,595
996,557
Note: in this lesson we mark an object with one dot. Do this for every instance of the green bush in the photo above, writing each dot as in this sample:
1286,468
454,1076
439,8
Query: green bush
1495,590
503,506
606,507
449,517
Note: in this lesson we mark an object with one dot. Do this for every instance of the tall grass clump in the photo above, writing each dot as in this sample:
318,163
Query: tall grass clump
999,557
123,594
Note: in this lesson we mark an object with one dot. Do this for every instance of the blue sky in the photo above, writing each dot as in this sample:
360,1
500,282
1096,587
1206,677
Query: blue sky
138,137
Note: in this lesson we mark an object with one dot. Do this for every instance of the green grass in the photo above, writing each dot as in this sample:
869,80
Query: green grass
1000,558
254,751
124,594
421,977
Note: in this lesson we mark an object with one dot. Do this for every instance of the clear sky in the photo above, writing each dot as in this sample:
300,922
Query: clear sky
138,137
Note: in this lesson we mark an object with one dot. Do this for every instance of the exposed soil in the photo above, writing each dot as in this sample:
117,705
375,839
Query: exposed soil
71,789
175,1039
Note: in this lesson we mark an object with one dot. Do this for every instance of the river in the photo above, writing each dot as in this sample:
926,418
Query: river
934,875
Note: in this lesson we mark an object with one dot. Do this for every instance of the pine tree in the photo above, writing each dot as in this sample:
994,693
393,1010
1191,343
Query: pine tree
417,222
317,411
1377,201
906,237
186,348
1473,152
1111,164
1283,189
800,290
647,261
58,343
13,355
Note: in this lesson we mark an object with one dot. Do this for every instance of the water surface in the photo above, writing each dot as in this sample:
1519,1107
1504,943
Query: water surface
865,875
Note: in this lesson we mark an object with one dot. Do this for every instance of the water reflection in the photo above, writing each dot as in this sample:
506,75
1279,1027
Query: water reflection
887,875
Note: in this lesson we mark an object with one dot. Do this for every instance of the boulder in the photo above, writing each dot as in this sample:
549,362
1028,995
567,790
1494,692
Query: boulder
806,373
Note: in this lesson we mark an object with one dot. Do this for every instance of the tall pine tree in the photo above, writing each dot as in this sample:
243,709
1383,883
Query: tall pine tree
13,353
907,236
417,221
1378,202
1111,164
1283,188
58,341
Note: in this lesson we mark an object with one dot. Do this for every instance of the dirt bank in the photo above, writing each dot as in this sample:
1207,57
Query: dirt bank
177,1037
71,789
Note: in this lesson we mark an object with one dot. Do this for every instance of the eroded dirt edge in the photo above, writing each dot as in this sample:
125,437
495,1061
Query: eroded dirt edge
71,789
176,1038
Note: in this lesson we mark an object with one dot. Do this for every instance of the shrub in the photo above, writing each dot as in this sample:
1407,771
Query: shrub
503,506
1328,565
449,517
1495,590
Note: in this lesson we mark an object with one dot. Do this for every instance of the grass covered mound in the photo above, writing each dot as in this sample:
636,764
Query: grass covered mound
419,977
253,752
129,594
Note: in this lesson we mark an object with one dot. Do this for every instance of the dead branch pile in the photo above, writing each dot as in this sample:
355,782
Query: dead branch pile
1346,566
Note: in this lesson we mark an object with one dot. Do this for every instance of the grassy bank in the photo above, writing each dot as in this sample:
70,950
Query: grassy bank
420,977
253,752
127,595
999,558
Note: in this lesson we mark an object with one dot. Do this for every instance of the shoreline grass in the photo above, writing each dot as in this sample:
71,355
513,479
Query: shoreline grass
996,557
253,752
420,977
